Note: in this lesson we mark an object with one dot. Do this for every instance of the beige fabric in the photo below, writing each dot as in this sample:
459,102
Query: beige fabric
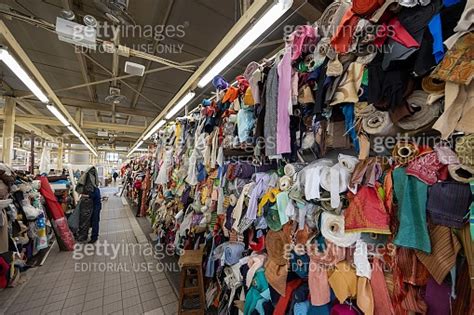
348,89
3,232
458,110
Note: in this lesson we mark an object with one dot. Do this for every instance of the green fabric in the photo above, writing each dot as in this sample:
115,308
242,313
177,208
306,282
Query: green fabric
411,194
272,216
258,291
282,200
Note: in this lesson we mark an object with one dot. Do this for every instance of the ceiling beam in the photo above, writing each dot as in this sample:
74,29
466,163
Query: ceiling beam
235,32
104,107
48,121
156,42
306,9
16,47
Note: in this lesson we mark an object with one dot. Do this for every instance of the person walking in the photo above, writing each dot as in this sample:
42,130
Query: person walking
115,175
95,216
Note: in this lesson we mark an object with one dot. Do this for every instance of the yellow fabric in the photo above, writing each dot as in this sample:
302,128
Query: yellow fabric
248,98
343,281
365,297
269,196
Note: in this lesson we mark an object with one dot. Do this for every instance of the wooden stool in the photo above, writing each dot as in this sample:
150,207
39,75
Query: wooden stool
191,261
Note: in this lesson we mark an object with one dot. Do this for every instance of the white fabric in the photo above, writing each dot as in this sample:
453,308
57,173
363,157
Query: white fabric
361,260
237,212
332,228
162,177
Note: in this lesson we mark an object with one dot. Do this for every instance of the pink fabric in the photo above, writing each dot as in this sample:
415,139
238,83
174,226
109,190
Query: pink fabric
284,102
318,285
301,39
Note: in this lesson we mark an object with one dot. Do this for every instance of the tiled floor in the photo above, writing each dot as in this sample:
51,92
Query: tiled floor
128,279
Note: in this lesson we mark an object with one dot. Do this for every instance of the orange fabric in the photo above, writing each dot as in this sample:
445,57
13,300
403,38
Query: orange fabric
366,212
341,40
230,95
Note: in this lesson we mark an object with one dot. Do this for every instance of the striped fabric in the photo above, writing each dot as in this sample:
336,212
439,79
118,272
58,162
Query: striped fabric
444,249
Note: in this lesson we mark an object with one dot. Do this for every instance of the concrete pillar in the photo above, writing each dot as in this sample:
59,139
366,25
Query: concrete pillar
8,130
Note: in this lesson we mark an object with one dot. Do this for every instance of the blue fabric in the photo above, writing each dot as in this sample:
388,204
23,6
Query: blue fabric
301,308
95,216
348,111
245,123
449,3
437,33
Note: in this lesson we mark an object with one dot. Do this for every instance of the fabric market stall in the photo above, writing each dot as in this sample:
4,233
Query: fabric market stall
334,177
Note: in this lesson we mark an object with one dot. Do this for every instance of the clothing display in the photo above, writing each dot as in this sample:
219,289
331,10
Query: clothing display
312,182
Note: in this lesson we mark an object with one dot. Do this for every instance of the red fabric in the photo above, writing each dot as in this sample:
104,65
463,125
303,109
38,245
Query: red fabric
231,94
382,302
398,32
341,41
365,7
366,212
282,305
4,268
54,209
242,83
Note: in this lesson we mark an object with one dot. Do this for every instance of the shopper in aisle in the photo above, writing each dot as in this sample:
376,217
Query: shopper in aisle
87,185
95,217
115,175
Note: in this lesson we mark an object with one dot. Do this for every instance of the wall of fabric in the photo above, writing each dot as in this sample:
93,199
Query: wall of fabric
335,177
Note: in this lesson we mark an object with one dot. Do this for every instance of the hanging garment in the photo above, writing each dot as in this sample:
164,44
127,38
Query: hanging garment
87,182
411,194
271,112
283,141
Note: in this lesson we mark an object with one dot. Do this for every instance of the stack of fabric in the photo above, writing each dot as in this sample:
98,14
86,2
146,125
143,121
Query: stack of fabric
347,189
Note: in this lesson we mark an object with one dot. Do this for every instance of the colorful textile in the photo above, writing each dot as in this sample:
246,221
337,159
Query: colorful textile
411,195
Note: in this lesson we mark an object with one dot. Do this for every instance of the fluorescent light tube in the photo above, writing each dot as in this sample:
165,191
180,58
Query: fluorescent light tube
22,75
154,129
186,99
87,145
135,148
74,131
256,30
58,115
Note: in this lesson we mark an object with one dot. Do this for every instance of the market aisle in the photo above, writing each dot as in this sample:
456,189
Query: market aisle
61,287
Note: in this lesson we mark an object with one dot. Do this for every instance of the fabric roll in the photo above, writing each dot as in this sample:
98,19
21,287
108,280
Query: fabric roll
411,194
424,114
336,179
432,86
404,151
376,122
285,183
293,168
461,173
444,250
229,253
332,228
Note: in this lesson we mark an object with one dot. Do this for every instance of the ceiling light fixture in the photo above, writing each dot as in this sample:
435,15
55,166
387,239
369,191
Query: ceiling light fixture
74,131
275,12
139,144
58,115
185,100
154,129
88,146
15,67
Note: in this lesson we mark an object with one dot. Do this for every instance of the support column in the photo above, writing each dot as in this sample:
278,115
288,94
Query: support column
32,153
60,154
8,130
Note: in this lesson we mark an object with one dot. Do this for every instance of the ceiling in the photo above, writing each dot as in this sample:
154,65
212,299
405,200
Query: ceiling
202,24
